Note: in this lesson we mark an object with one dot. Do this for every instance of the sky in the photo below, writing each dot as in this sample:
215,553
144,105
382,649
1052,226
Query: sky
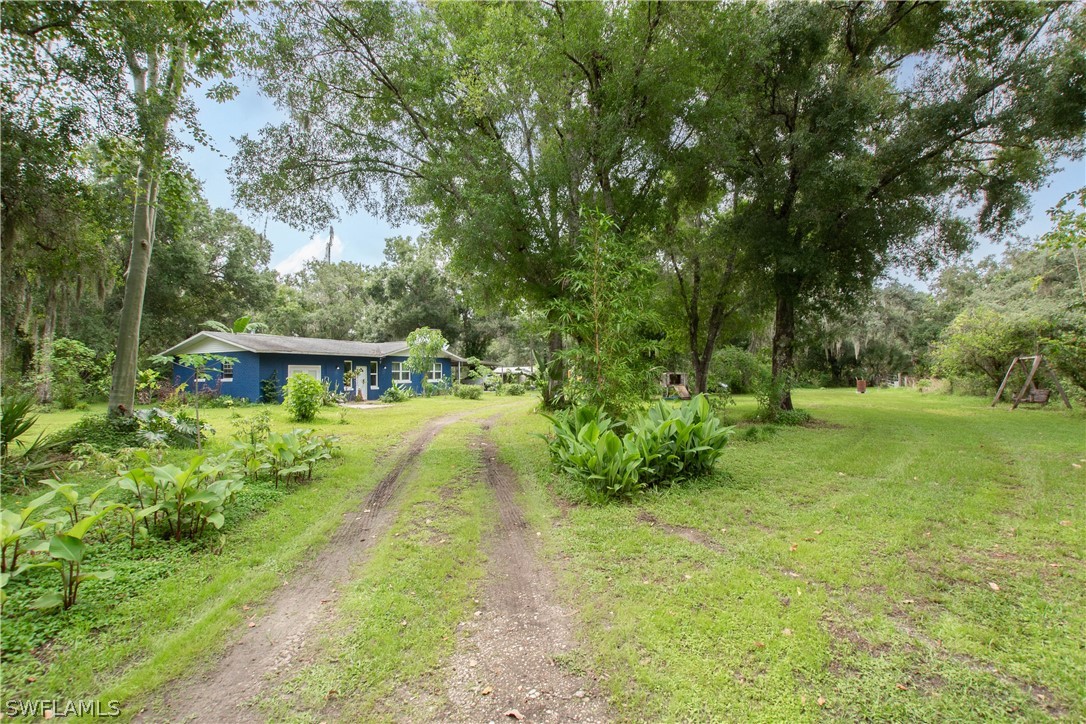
361,237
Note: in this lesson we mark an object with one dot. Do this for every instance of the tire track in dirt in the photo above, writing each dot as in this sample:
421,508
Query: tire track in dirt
295,611
509,652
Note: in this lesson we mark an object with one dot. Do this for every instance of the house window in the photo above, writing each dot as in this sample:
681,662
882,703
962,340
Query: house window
227,370
435,373
348,368
400,373
373,374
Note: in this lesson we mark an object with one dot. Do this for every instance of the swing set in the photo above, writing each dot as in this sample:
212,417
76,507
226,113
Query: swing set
1030,393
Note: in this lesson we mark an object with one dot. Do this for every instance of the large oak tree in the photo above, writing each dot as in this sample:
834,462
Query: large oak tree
865,128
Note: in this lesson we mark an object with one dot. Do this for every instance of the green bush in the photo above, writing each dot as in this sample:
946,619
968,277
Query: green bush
515,389
468,392
737,368
433,389
269,389
103,432
397,394
180,429
304,397
665,445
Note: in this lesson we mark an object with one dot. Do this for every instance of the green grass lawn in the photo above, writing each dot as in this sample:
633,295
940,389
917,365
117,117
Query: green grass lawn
905,557
850,562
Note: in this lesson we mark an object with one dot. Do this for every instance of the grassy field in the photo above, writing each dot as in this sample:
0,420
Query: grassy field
904,557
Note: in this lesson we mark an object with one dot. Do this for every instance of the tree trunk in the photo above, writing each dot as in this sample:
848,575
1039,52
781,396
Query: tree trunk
784,338
44,348
122,394
701,372
555,370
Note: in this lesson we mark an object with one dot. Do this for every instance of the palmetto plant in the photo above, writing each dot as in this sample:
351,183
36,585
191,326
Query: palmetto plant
15,419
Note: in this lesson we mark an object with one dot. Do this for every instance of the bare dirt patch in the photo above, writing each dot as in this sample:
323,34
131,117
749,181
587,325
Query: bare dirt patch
512,651
270,641
691,534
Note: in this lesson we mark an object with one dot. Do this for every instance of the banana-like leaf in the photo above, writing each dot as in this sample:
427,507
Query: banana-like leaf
67,548
48,601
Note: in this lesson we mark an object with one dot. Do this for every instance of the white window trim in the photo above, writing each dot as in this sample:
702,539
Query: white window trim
225,377
437,369
375,378
398,376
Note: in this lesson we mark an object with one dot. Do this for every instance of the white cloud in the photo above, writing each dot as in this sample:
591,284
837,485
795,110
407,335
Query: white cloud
312,249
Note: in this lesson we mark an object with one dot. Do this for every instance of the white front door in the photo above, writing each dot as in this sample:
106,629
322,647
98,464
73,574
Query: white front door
313,371
362,383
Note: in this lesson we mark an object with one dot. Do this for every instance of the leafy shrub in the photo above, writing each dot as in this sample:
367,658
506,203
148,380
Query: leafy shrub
738,368
665,445
304,397
269,388
468,392
397,394
515,389
433,389
679,442
160,427
104,432
973,385
76,372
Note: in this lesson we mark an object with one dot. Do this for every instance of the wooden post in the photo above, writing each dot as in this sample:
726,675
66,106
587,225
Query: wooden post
1003,384
1063,395
1029,380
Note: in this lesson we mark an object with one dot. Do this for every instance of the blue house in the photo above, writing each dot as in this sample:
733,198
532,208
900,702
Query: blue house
364,370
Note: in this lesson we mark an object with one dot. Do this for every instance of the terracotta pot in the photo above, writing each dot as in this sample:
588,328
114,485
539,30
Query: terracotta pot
861,386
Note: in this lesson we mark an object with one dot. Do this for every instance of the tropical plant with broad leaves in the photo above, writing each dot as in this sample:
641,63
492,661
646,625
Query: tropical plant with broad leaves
68,550
662,446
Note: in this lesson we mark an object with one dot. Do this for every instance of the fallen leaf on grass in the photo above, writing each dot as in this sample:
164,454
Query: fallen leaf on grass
1055,565
252,625
759,644
822,701
818,532
30,679
993,586
1065,522
841,474
809,539
908,600
792,548
245,608
1076,465
404,622
902,687
514,713
786,632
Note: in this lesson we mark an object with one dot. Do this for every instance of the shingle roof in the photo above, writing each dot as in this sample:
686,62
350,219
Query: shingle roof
280,344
